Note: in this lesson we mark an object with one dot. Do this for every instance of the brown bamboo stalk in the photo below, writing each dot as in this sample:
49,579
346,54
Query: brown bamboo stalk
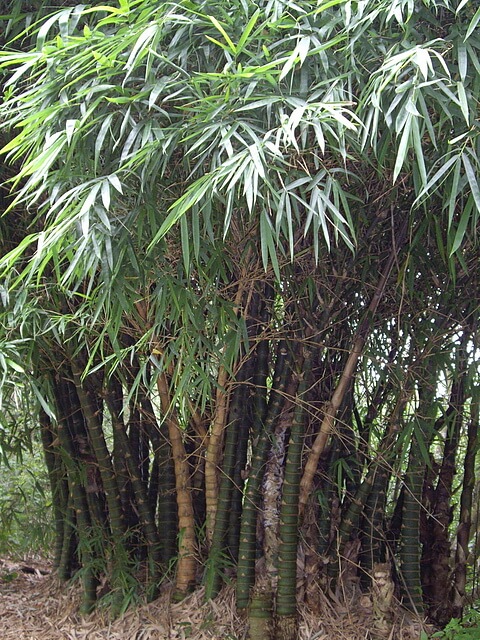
331,408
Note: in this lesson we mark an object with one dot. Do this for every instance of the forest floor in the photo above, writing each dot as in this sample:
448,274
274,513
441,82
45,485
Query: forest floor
35,606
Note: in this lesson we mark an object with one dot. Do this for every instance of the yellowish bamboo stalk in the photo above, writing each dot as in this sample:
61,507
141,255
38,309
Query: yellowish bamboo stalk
213,452
215,440
187,563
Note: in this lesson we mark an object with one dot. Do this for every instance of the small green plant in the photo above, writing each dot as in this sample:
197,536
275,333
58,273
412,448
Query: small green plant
466,629
186,628
9,576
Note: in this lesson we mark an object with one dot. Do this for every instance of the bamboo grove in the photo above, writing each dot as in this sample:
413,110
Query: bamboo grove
240,294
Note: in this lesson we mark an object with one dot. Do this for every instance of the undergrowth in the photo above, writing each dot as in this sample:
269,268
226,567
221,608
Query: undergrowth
466,629
25,505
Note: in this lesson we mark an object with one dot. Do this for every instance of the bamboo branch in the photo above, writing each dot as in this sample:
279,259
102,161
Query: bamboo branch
331,408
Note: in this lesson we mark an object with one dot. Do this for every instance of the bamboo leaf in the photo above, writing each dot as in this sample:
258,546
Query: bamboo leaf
184,236
267,243
461,229
70,127
462,97
115,182
419,153
100,139
436,179
472,180
247,31
257,160
141,47
48,24
461,4
473,24
327,4
298,55
402,148
453,191
87,205
462,60
220,28
105,193
424,62
193,196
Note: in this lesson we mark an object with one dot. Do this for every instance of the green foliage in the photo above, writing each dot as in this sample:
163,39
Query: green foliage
466,629
25,507
150,126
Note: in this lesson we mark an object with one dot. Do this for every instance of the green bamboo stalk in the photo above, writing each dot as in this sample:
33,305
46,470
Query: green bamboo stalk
286,610
238,481
261,371
167,505
411,585
195,452
372,527
255,370
326,497
324,522
331,408
69,543
187,542
260,613
124,486
242,416
246,556
349,452
154,484
350,521
90,475
85,547
368,500
259,381
97,440
58,487
217,558
139,445
410,552
465,518
134,429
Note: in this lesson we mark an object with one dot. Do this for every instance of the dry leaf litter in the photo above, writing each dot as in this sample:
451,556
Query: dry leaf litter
35,606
